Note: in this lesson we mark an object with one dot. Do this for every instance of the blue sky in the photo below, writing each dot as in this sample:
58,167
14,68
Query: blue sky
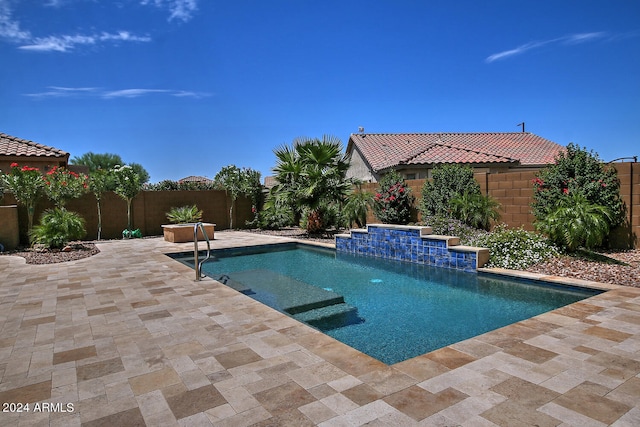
185,87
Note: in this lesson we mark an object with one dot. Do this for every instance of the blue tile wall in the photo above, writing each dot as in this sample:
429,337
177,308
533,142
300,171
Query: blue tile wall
405,245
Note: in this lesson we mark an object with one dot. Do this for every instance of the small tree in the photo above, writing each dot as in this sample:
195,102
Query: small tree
392,203
128,185
449,181
311,176
238,182
26,185
61,185
100,181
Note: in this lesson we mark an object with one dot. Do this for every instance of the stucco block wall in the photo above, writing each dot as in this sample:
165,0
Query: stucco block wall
514,192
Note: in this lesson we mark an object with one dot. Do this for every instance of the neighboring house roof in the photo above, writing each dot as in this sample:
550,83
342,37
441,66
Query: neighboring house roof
384,151
193,178
17,147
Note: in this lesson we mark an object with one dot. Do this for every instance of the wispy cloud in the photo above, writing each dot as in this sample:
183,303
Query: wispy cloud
11,30
94,92
181,10
66,43
568,39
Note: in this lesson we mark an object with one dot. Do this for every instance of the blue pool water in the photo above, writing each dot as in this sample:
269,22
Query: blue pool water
392,310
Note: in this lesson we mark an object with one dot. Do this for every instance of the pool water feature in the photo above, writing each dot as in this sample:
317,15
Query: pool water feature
390,310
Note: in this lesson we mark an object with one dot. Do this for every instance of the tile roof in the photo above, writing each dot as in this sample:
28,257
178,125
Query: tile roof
193,178
383,151
13,146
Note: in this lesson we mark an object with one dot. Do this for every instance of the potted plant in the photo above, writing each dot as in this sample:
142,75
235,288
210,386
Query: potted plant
182,220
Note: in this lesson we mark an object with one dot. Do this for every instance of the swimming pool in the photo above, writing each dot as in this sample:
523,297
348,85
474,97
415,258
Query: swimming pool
387,309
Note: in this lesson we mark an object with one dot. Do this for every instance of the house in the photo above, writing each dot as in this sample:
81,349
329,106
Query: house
198,179
414,155
29,153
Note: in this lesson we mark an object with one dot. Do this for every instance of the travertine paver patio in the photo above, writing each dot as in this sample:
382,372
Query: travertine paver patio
129,338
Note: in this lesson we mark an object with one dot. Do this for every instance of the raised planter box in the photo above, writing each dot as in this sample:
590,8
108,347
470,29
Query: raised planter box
180,233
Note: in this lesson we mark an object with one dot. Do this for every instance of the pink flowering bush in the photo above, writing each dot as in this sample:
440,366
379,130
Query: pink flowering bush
577,200
577,171
392,203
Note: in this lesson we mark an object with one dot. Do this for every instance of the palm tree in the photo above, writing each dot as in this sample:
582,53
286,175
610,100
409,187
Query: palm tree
357,205
311,175
475,210
577,222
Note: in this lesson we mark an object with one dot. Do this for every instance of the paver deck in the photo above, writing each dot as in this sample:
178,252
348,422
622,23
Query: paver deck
128,338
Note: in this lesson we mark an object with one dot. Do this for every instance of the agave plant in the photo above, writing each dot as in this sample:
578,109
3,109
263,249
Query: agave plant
577,223
184,215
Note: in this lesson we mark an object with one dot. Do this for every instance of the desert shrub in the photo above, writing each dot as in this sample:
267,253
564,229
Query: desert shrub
475,209
392,203
576,223
274,217
324,217
515,249
356,207
577,171
447,226
58,227
449,181
184,214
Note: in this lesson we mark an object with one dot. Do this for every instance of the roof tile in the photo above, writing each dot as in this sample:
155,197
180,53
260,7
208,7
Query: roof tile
13,146
384,151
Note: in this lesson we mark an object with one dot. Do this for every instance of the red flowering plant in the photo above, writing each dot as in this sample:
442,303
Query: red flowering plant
392,203
26,185
577,171
61,185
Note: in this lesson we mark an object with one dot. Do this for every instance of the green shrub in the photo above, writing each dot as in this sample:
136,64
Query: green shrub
356,207
169,185
274,217
184,215
475,209
449,181
577,171
446,226
58,227
576,223
515,249
392,203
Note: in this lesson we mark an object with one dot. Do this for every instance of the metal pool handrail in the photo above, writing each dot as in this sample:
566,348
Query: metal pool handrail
198,265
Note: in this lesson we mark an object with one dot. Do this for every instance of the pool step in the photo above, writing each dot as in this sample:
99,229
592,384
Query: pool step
330,317
321,308
279,291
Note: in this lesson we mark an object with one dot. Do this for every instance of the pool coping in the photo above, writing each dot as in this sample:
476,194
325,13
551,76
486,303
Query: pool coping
493,271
